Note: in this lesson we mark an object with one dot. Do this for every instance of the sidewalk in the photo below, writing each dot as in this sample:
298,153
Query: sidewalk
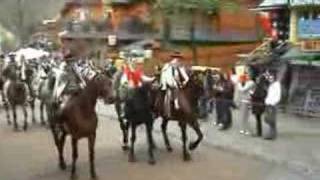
297,145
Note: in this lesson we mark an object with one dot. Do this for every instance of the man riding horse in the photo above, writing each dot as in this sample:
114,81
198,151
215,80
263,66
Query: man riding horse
68,80
173,77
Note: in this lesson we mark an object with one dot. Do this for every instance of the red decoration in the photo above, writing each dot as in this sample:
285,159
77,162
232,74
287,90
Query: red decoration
134,76
265,20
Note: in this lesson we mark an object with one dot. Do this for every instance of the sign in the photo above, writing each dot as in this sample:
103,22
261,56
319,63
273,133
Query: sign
310,46
112,40
309,29
304,2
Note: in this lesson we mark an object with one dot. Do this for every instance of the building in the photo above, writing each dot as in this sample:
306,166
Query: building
298,62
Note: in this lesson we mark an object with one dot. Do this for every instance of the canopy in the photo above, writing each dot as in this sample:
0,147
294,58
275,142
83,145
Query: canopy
295,55
31,53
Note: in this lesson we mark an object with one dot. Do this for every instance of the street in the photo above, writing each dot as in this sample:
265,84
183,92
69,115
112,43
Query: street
32,155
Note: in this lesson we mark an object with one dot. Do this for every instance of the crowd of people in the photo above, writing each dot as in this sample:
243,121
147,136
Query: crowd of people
250,96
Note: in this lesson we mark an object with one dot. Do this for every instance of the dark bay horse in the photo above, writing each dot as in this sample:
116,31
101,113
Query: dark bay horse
137,111
133,108
16,95
79,119
188,98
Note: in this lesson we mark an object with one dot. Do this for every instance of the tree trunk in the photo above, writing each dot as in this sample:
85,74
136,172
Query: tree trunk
192,39
166,31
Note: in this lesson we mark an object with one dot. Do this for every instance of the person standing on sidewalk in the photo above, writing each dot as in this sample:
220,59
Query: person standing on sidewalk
224,91
272,100
245,88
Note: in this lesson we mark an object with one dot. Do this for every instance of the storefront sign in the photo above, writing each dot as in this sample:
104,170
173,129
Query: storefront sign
304,2
309,29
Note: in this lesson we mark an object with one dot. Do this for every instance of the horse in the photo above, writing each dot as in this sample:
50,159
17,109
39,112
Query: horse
45,93
120,97
16,95
30,71
77,117
257,100
188,97
137,111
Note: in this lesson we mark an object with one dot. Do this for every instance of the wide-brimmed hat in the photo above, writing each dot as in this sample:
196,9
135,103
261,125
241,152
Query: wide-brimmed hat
176,54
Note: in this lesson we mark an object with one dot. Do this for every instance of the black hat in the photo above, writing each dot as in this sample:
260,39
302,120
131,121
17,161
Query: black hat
176,54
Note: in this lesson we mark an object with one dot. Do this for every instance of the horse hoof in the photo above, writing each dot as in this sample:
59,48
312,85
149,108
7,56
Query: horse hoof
125,147
73,177
63,166
43,124
94,176
152,162
132,159
192,146
169,149
16,129
9,123
187,157
25,128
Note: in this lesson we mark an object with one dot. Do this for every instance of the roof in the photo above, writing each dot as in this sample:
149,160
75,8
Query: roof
304,2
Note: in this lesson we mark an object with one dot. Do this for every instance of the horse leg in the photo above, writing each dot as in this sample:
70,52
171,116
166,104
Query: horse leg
74,157
61,142
32,102
14,115
196,127
124,127
25,114
42,106
183,127
91,143
164,126
150,142
133,139
6,107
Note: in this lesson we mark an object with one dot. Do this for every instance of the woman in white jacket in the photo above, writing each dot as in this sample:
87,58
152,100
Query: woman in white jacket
245,88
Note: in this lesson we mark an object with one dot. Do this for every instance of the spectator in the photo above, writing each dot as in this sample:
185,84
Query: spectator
272,100
245,87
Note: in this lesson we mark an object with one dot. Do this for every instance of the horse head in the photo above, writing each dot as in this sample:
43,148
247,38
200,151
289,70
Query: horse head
104,87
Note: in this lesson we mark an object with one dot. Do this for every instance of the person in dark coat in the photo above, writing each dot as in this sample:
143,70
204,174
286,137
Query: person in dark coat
224,91
257,101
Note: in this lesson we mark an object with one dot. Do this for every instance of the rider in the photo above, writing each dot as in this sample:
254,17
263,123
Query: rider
68,79
133,75
173,77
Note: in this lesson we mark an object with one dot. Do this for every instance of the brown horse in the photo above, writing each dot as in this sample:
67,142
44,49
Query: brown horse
16,95
188,98
79,119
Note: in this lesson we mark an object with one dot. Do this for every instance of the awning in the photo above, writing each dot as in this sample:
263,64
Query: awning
296,56
271,4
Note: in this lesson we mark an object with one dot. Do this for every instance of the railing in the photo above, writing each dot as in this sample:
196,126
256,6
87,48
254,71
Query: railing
88,26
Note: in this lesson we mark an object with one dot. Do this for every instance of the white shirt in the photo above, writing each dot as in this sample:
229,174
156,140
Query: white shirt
169,75
245,90
273,94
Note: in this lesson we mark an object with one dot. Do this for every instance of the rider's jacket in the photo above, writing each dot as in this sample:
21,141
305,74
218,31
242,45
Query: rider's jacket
173,75
68,79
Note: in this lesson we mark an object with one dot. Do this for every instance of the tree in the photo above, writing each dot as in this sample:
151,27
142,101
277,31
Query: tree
21,17
168,8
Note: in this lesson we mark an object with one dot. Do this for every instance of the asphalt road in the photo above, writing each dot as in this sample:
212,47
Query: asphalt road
32,155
